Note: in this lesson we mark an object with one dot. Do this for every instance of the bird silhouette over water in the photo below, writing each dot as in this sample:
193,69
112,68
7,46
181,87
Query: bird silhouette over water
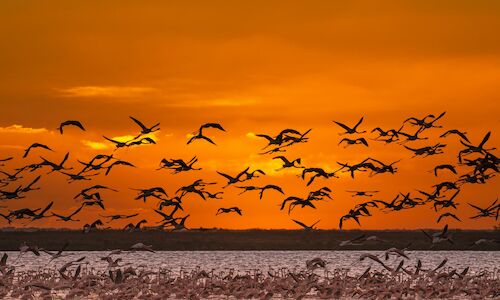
439,237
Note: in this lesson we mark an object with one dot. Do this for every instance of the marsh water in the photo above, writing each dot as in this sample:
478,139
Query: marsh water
249,261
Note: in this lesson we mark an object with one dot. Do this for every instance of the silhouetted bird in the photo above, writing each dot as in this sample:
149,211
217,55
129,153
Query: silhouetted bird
200,135
144,128
228,210
306,228
33,146
349,130
72,123
461,134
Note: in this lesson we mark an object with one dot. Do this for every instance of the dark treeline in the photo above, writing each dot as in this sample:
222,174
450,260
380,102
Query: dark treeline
248,240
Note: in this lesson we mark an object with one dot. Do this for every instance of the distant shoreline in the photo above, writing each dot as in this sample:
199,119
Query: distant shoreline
212,240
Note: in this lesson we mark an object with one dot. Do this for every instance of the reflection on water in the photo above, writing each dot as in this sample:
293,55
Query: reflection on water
243,261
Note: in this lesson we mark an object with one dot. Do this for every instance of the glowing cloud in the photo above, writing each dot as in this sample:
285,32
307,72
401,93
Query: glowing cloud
222,102
21,129
106,91
95,145
251,135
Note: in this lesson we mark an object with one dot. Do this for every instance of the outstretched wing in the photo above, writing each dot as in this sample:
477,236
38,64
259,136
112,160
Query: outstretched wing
138,123
300,223
359,122
485,139
212,125
342,125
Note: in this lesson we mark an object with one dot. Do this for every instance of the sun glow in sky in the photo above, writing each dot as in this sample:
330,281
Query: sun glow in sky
254,67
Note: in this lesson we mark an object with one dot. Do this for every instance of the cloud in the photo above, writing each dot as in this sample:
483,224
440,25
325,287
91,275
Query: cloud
123,138
252,136
21,129
95,145
106,91
127,138
219,102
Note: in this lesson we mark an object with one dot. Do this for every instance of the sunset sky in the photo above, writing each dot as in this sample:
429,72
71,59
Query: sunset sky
254,67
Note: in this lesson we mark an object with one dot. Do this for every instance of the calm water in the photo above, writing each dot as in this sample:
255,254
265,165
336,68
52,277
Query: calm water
243,261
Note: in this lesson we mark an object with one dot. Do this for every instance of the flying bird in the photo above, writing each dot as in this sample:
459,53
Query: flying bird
461,134
233,180
35,145
223,210
361,141
349,130
305,227
449,167
199,134
117,163
448,214
144,129
72,123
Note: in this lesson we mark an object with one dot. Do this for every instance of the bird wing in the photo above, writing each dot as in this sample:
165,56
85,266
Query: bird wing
64,159
242,173
75,212
207,139
427,235
225,175
46,208
315,223
344,140
274,187
476,207
485,139
342,125
438,117
282,158
267,137
359,122
77,124
440,217
111,140
212,125
138,123
300,223
462,135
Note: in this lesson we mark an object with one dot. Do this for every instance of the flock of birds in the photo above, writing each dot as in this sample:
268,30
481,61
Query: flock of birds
388,275
75,279
477,158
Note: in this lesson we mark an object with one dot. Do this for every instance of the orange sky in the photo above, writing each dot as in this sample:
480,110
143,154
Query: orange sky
257,67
